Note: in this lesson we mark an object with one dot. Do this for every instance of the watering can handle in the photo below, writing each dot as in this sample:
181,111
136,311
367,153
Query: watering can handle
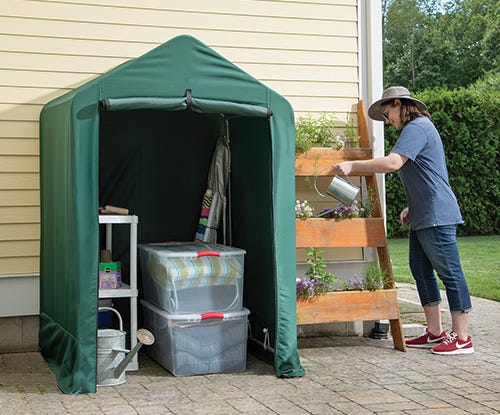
316,181
114,311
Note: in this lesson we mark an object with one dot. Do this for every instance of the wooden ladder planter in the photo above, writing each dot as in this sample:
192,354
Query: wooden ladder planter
338,306
341,306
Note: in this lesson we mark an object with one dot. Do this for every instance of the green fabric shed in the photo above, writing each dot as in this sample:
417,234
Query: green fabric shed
133,137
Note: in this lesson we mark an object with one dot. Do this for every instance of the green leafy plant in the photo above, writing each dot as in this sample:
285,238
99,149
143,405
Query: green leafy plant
375,277
369,203
317,266
319,281
320,130
349,136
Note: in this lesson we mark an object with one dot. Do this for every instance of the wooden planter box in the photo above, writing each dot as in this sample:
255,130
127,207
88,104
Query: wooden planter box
349,306
340,233
318,158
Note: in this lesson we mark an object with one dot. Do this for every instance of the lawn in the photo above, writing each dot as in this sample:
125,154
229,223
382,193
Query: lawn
480,256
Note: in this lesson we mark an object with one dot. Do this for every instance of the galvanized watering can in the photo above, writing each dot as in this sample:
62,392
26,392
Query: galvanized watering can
112,357
340,189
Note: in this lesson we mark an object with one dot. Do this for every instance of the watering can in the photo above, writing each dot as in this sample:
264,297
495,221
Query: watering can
112,357
340,189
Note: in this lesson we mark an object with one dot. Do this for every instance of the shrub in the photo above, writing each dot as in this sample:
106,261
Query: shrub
467,121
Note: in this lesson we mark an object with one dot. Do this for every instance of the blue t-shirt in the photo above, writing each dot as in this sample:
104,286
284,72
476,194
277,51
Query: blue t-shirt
431,201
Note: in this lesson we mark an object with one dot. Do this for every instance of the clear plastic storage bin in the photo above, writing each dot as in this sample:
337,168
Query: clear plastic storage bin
196,344
192,277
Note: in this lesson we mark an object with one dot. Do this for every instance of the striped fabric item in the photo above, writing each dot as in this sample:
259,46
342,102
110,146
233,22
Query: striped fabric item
206,203
184,270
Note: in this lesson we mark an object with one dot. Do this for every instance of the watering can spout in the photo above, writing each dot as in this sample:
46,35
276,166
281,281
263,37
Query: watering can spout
143,337
111,358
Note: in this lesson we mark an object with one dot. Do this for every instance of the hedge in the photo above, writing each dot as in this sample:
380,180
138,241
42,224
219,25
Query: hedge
468,122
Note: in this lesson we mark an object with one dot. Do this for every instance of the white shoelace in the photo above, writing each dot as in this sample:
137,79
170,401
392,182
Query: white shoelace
451,338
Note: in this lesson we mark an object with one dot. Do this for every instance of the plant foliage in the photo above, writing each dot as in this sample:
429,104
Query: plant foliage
319,281
320,130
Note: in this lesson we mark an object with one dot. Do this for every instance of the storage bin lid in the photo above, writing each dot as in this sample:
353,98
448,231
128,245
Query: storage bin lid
191,249
196,317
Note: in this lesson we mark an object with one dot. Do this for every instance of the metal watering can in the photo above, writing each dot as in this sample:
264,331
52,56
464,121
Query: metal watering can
340,189
112,357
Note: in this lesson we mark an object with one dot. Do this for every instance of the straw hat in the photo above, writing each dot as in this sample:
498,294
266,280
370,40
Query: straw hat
375,110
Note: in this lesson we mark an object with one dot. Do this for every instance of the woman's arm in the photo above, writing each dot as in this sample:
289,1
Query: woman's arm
386,164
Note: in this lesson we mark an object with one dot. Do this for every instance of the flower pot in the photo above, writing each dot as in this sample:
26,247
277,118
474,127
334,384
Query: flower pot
338,306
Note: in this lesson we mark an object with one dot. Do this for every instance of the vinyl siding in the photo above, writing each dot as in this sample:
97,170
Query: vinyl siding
305,50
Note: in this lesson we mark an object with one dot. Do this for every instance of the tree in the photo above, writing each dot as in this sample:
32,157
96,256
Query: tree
402,31
427,44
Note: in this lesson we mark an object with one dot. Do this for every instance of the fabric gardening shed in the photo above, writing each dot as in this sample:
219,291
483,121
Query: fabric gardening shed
142,136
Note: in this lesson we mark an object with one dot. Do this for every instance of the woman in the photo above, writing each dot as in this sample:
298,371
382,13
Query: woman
432,211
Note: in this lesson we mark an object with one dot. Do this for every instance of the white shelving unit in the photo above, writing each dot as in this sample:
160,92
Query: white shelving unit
125,291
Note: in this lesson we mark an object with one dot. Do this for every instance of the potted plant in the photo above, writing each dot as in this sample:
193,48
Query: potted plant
347,226
316,131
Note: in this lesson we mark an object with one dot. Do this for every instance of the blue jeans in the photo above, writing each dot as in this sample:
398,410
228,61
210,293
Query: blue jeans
436,249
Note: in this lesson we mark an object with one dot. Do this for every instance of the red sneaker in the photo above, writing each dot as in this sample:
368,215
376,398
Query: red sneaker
426,340
453,345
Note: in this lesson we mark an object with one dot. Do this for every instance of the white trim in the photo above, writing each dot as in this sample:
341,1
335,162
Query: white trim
19,276
362,47
19,295
371,72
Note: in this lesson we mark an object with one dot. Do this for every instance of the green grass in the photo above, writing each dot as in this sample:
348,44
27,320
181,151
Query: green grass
480,256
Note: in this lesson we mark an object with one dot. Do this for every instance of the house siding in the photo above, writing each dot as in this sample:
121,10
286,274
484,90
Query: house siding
305,50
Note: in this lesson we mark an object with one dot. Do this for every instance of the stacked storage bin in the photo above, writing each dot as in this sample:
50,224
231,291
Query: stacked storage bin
193,304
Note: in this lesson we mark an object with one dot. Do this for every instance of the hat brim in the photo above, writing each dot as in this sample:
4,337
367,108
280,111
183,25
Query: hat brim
375,111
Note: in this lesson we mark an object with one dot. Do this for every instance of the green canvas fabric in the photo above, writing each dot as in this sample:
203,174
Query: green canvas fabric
195,104
154,160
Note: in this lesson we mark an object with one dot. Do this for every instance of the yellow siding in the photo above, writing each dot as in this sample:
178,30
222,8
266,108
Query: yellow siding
20,248
19,198
19,214
15,146
24,265
305,50
25,181
19,232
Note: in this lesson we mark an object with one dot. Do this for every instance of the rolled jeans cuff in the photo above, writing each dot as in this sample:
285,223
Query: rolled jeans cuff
432,303
467,310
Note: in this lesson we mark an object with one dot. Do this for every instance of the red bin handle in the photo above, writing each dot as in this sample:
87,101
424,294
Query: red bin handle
208,253
212,314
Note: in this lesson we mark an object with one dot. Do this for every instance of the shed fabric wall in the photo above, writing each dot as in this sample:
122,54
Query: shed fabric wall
304,50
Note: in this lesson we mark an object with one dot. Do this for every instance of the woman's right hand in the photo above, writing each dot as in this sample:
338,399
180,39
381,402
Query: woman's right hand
404,217
343,169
